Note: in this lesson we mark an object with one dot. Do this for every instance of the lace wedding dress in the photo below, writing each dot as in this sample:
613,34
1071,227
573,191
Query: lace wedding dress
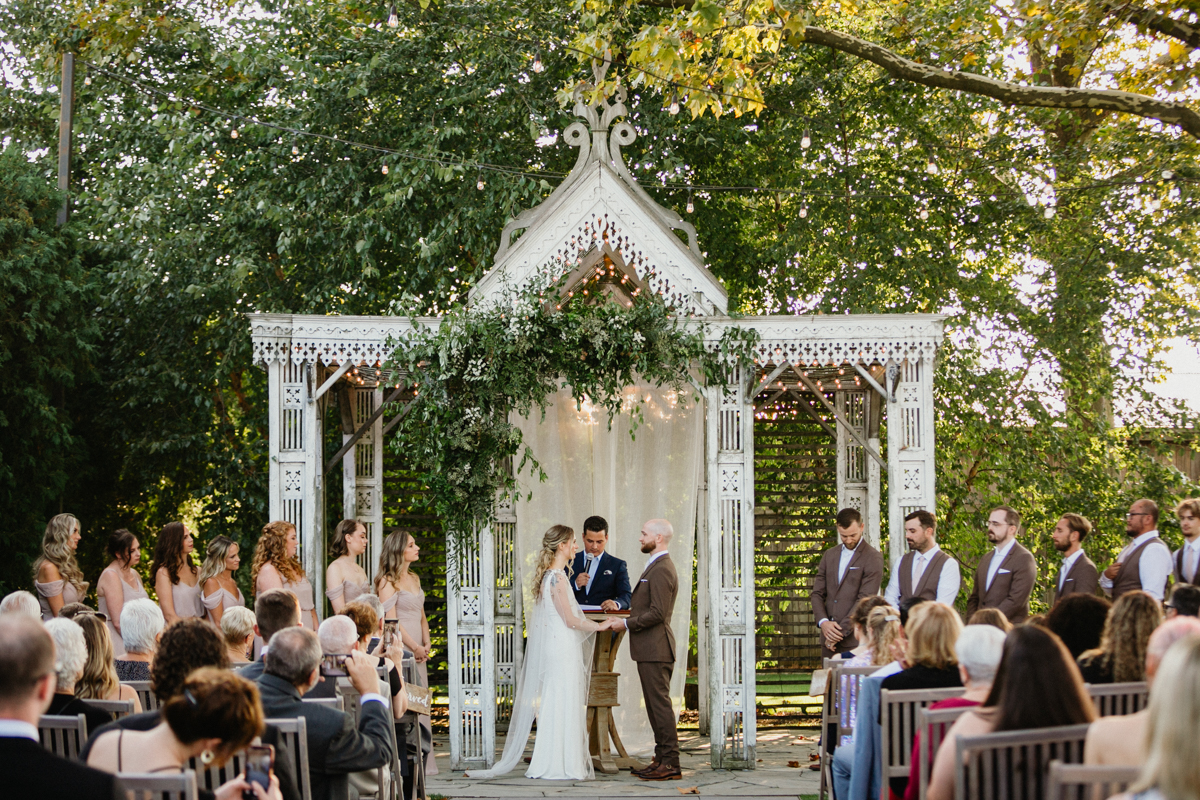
553,689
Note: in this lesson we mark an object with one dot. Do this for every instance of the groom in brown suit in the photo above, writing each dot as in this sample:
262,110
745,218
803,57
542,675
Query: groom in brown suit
847,573
652,646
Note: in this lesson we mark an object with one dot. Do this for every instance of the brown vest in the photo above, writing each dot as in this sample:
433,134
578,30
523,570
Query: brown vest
1179,569
1129,577
928,585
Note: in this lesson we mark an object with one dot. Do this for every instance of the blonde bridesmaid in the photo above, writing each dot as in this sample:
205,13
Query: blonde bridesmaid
56,575
220,591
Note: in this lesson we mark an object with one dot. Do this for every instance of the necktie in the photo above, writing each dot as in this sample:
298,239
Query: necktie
1189,565
920,570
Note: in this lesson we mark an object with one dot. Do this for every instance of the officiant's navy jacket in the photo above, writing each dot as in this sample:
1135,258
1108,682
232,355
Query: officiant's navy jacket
612,582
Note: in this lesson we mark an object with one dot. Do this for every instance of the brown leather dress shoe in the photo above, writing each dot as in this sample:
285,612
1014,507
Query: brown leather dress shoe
662,773
653,765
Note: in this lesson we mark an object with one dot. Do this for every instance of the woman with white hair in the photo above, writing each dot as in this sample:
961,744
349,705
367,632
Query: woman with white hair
237,628
70,657
142,623
21,602
979,648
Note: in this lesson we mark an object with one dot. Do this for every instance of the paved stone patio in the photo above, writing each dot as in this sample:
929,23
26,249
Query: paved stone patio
773,777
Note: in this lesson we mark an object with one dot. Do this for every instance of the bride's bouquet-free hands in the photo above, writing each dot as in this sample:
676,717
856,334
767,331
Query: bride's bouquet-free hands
607,624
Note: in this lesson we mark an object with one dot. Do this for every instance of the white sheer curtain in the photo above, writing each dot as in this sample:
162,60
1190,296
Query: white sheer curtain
593,470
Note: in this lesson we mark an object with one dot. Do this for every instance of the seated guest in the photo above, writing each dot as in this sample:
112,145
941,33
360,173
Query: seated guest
1172,771
72,610
72,654
21,602
1037,685
187,646
1121,656
978,649
215,715
366,626
1120,741
858,626
991,616
1079,620
1184,601
237,626
336,747
879,635
99,679
930,659
142,624
337,636
26,688
906,607
274,610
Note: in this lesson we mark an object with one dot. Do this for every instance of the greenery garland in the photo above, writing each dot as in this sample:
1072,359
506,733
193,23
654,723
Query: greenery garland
482,363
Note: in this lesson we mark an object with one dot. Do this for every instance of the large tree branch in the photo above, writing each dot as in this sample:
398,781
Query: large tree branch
1015,94
1159,23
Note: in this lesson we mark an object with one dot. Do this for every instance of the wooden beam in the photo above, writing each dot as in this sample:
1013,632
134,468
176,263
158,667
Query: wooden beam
812,387
358,434
331,380
812,412
767,380
400,415
874,384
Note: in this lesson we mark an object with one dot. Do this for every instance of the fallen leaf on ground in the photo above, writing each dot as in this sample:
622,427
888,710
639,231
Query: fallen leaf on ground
793,763
688,789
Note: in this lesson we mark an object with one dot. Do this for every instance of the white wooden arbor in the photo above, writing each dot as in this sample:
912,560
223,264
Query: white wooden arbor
601,205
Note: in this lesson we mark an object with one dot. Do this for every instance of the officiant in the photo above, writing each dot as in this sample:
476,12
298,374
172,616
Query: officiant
600,579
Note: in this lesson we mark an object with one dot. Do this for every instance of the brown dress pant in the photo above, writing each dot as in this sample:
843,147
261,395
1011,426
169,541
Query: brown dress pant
656,689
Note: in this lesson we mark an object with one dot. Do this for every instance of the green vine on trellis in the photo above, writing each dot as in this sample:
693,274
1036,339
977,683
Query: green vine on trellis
483,362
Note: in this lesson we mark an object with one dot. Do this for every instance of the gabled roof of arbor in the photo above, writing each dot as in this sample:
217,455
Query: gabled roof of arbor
601,203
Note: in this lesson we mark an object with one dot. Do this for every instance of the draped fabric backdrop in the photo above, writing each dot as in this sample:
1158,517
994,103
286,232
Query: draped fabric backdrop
590,470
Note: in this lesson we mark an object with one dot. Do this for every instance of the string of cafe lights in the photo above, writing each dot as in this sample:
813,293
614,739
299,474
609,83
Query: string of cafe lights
921,197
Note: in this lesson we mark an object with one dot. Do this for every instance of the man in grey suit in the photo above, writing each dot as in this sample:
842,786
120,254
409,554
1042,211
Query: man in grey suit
1077,575
1005,576
335,746
850,571
652,646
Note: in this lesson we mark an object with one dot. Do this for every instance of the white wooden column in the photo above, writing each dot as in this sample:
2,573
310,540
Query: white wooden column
362,474
909,385
311,530
858,473
730,584
471,633
507,582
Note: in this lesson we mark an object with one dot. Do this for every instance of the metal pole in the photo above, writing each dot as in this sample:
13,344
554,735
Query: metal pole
65,120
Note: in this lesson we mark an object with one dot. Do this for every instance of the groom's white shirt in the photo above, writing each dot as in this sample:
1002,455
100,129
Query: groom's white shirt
653,558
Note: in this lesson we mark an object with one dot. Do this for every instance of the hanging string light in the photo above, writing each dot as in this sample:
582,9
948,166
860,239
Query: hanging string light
384,169
393,20
805,141
479,184
233,134
931,167
673,109
691,207
538,66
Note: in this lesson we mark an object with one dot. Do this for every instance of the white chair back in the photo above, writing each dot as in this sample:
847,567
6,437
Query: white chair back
147,698
118,708
293,734
1013,765
63,736
1079,782
1118,699
156,786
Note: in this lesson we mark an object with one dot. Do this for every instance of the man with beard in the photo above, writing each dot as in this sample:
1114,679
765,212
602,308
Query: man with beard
925,571
1145,563
1077,575
1005,577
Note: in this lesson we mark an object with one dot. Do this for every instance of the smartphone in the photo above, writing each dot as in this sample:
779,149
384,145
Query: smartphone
389,633
258,769
333,665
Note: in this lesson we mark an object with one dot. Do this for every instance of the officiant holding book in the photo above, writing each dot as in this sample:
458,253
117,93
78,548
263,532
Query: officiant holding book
600,579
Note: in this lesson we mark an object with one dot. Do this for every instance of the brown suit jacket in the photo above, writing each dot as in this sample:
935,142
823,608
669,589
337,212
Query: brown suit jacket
1083,578
650,607
1010,588
834,600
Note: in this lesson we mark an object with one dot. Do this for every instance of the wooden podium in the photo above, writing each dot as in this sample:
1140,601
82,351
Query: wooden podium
602,699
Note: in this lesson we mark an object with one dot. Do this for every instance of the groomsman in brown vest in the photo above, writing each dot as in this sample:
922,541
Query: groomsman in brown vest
1005,576
1187,558
1146,562
1077,575
925,571
846,573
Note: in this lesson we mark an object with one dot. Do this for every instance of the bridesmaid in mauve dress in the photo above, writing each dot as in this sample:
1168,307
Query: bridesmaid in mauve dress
56,575
345,579
275,566
176,578
403,600
119,584
220,591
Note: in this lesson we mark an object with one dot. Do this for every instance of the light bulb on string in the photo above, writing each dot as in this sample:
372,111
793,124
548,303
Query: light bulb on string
924,213
805,141
233,134
803,210
295,149
673,109
393,19
691,207
479,183
538,66
87,81
384,169
931,167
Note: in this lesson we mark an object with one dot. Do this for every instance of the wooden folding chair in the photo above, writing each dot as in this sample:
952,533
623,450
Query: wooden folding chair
147,698
898,712
1080,782
1117,699
118,708
156,786
1013,765
63,736
934,724
212,777
293,734
842,692
332,702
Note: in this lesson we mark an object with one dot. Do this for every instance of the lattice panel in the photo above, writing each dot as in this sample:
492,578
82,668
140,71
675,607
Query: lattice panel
506,644
470,651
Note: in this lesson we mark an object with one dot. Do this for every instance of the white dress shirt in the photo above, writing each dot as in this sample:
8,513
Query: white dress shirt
998,556
1190,551
1154,566
653,558
844,559
948,583
592,570
17,729
1067,564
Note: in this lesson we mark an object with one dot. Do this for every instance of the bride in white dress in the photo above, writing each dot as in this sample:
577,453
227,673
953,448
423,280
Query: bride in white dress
554,677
